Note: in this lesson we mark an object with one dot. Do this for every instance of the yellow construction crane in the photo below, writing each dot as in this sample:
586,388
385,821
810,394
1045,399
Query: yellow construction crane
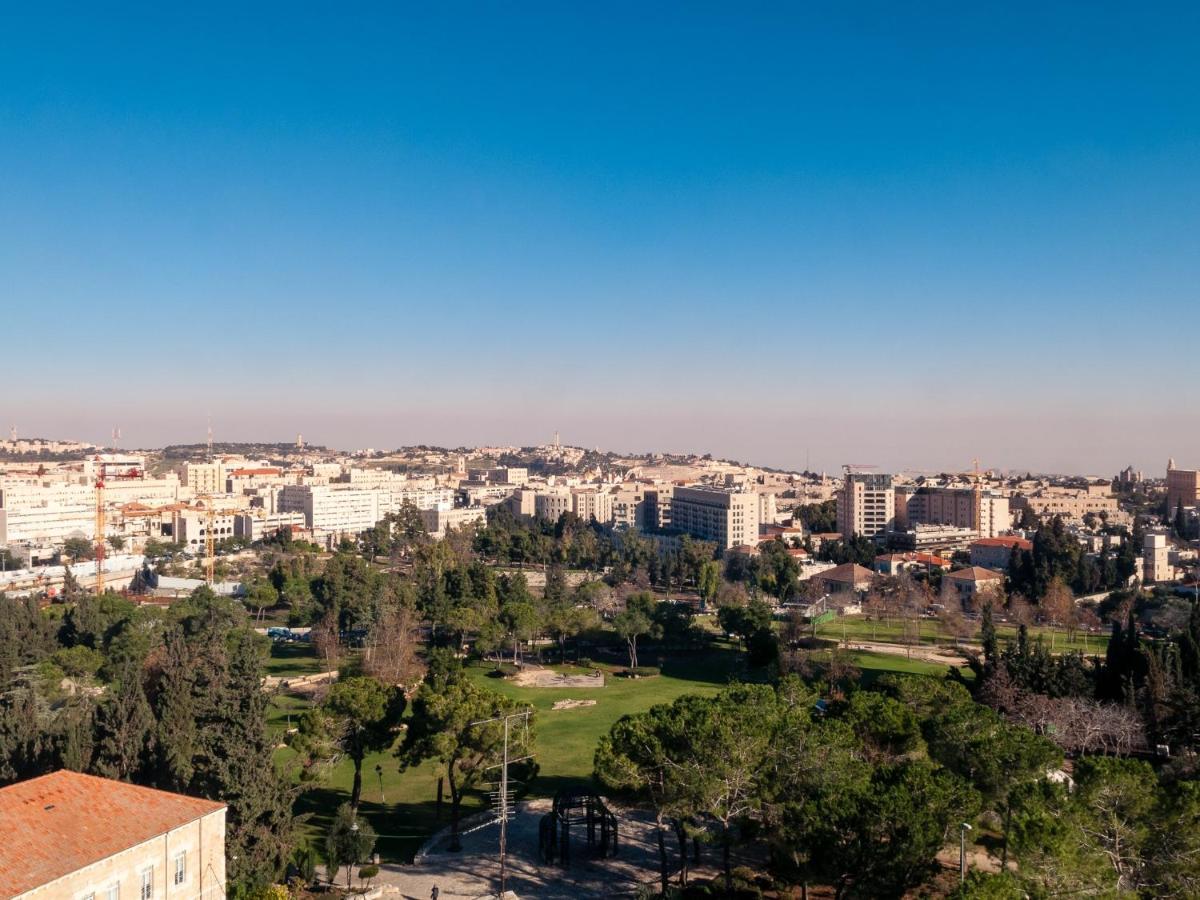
210,538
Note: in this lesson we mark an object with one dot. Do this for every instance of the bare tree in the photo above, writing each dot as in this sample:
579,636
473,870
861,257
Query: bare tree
1057,607
1020,610
391,652
326,640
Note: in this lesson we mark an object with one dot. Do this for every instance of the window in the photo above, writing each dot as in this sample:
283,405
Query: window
180,868
147,892
113,891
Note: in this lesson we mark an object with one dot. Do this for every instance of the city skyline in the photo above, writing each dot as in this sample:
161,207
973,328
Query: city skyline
915,238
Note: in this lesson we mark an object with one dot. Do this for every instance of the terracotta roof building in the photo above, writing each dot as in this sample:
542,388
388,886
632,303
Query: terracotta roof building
86,838
994,553
846,577
973,581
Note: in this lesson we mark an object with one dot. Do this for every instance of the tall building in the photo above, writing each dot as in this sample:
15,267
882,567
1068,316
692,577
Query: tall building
590,503
1156,559
960,507
552,502
866,505
658,506
74,836
728,517
335,511
1183,487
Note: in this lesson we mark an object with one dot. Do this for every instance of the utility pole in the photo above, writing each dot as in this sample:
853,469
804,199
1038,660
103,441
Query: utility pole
502,797
963,828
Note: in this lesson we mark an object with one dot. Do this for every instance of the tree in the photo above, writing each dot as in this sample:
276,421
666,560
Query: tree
260,596
78,549
357,717
116,542
327,641
638,759
723,774
1057,606
124,728
708,582
391,653
635,621
444,727
348,842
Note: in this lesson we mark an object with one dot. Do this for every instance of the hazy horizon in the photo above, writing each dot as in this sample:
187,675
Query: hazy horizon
900,236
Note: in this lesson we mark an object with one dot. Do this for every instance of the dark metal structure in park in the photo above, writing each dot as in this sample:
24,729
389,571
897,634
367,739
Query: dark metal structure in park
578,809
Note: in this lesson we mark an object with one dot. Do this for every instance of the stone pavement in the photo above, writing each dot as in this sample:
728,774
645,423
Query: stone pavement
473,872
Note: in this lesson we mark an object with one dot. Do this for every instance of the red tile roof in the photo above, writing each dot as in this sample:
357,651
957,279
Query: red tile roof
1004,542
61,822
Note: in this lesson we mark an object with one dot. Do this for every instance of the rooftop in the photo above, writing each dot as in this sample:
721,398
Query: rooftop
975,573
57,824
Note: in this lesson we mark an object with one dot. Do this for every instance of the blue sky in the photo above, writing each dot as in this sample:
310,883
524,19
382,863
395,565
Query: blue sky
906,234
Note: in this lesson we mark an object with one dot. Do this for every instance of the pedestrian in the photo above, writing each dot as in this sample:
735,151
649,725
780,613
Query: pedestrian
433,895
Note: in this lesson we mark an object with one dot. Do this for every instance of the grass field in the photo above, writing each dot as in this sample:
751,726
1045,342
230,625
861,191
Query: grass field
406,812
859,628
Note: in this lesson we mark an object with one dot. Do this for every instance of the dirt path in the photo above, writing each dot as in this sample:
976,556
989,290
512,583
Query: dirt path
946,656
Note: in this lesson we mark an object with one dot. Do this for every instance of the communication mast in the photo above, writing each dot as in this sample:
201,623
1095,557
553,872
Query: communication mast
503,796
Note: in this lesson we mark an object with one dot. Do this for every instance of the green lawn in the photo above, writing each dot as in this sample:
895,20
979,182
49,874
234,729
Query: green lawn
859,628
292,659
565,743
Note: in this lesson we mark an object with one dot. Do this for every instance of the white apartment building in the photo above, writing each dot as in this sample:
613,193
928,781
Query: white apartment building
150,491
334,510
439,521
952,506
552,502
203,477
522,502
1156,559
728,517
69,836
427,497
254,526
590,503
629,507
190,527
866,505
46,513
658,506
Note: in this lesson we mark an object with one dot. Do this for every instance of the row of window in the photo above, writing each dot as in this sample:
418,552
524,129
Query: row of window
146,888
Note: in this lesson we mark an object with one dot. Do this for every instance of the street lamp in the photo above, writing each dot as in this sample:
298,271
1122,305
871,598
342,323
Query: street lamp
963,828
379,772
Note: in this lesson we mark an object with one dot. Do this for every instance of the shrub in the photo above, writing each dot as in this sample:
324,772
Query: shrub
640,672
366,873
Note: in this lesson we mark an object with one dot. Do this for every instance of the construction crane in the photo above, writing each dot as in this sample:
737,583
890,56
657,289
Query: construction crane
210,538
100,526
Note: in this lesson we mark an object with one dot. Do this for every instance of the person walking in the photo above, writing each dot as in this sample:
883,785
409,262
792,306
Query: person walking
433,895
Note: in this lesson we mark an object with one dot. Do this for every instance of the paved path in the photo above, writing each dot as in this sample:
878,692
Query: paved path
473,872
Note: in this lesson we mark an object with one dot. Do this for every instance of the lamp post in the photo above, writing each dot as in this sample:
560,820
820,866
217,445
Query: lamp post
379,772
963,828
353,850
